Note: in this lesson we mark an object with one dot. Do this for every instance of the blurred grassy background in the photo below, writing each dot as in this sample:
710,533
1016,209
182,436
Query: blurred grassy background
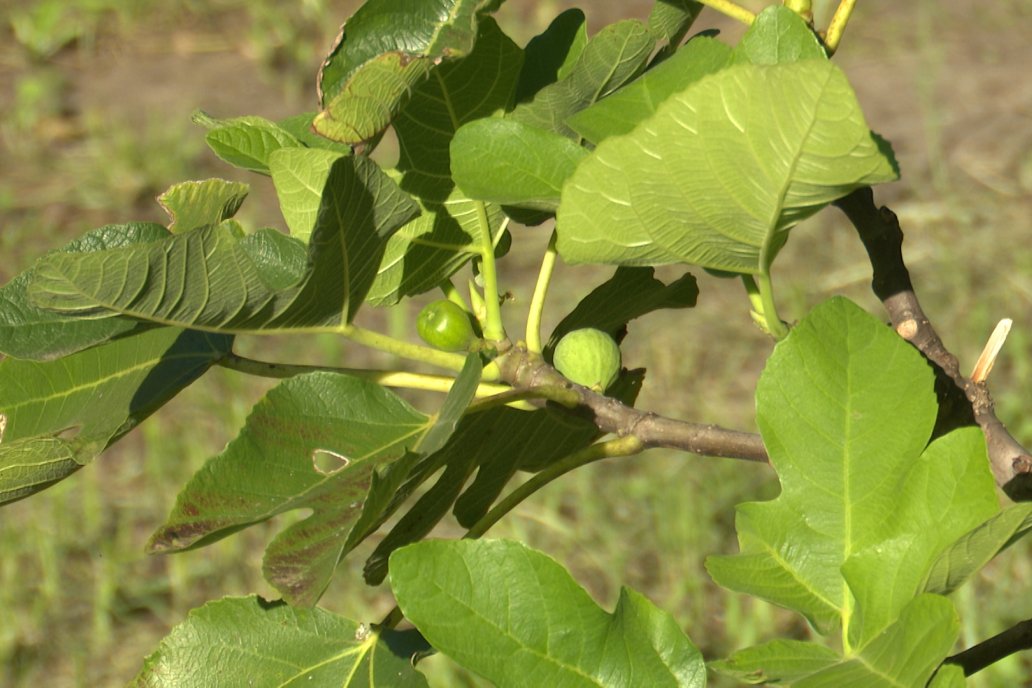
95,98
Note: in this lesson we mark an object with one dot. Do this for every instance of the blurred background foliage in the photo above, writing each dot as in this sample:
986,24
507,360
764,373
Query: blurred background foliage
95,104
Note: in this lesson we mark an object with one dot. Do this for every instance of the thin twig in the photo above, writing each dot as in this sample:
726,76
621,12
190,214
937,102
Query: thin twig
962,401
975,658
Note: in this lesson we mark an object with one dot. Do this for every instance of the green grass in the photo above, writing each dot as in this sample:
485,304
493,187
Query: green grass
82,604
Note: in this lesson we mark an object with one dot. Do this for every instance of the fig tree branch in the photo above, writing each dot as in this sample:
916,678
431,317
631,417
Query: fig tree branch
962,401
525,370
975,658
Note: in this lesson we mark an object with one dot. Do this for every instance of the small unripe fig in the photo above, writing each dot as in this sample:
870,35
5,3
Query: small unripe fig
445,325
588,357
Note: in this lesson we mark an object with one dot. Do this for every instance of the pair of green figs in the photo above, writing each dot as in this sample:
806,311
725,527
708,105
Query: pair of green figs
587,356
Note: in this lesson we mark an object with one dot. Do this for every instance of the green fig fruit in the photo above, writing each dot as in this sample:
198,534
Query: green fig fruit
588,357
445,325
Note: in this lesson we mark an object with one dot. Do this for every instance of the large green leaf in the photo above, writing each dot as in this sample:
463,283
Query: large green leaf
246,641
517,617
722,170
846,407
313,443
623,110
210,279
630,293
389,47
510,163
613,57
778,35
459,92
28,331
951,476
60,414
194,204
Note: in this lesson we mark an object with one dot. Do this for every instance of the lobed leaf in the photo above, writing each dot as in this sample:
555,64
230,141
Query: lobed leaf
722,170
845,407
248,641
951,476
58,415
210,279
313,442
517,617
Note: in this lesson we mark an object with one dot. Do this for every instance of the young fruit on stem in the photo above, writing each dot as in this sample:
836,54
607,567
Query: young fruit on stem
588,357
445,325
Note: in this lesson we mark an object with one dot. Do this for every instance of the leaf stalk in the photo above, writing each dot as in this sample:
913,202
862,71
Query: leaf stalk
837,26
731,9
493,329
387,378
403,349
537,301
